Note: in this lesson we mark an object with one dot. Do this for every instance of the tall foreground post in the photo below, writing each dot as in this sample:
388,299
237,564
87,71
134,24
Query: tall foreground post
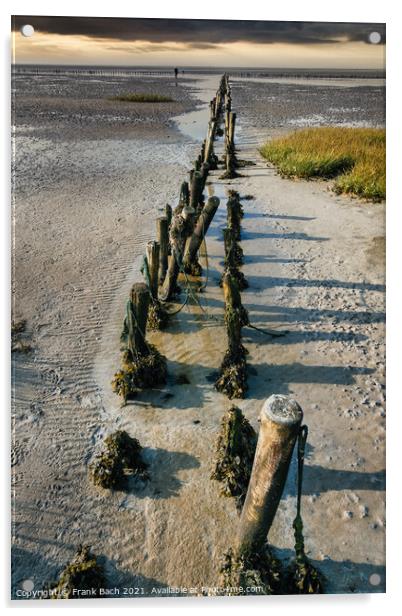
280,418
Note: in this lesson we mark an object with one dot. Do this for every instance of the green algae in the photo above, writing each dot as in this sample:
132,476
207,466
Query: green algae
120,459
235,451
83,573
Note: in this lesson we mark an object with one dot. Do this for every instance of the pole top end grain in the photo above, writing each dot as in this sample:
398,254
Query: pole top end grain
282,410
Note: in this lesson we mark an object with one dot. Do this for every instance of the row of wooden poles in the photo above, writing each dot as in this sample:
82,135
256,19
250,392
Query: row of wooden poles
180,234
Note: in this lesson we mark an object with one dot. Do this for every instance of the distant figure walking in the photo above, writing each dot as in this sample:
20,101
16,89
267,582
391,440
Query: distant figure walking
176,71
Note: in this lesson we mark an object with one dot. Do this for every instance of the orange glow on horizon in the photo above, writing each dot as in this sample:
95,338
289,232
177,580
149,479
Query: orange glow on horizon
43,48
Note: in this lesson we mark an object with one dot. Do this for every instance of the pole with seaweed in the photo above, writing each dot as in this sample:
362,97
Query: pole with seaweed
190,261
142,364
232,379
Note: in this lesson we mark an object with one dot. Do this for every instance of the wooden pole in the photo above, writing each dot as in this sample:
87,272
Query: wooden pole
152,252
229,242
200,230
196,189
140,298
231,292
233,324
209,141
168,214
233,216
280,421
163,240
179,230
232,124
184,194
204,173
227,124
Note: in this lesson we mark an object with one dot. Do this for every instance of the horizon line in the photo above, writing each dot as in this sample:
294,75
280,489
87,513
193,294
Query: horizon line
172,65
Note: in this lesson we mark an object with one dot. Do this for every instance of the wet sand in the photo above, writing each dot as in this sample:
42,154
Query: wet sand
83,214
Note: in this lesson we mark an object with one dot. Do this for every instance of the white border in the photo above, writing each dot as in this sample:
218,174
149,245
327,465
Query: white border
308,10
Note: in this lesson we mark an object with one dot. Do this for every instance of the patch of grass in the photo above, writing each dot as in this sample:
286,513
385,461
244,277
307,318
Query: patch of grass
354,156
143,98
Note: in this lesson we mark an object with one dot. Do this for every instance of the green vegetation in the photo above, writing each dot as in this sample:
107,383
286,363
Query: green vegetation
80,579
355,157
143,98
234,455
121,457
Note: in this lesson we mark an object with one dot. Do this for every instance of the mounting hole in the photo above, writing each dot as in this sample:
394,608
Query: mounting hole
27,30
375,579
28,585
375,38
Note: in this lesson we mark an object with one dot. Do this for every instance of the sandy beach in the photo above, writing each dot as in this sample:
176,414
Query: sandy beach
91,176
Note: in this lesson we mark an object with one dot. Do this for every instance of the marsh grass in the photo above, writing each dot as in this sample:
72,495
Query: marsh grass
143,98
354,157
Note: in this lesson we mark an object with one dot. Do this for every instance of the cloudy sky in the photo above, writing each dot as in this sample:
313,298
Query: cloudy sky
188,42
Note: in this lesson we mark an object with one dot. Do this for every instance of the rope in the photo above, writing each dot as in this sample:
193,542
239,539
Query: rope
267,332
298,522
170,314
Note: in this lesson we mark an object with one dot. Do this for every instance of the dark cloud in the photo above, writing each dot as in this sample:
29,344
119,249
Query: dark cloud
202,33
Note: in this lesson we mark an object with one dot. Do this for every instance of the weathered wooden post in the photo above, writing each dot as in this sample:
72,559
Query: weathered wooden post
233,258
232,380
212,108
233,216
209,142
204,173
180,228
137,315
231,294
142,364
232,123
251,558
163,241
234,455
190,263
196,190
184,198
217,104
280,421
168,213
157,316
227,124
203,150
152,255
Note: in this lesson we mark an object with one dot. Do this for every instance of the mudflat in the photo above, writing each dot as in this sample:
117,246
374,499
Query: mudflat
91,177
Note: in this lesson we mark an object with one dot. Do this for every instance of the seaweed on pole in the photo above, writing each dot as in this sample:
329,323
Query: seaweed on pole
258,569
232,380
233,257
234,216
142,364
302,578
234,455
121,457
82,578
181,227
157,315
234,195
